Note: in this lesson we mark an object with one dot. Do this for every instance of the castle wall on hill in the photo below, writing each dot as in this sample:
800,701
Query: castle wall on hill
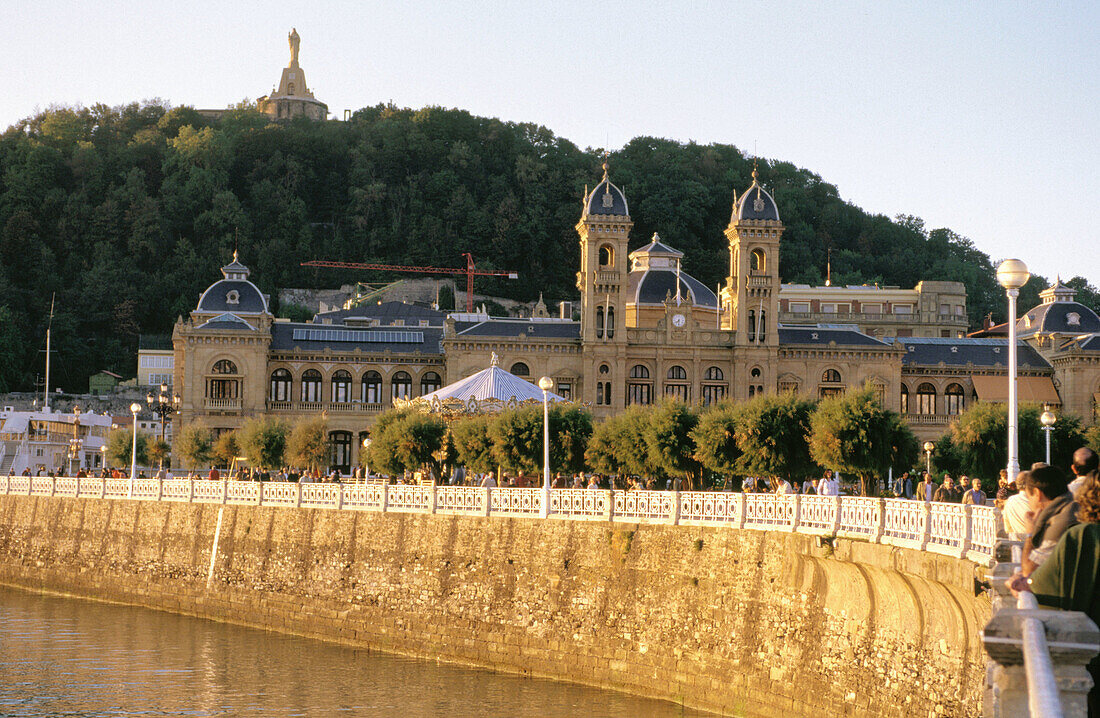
737,621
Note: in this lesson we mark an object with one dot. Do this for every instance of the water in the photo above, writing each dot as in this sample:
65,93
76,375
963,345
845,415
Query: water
69,657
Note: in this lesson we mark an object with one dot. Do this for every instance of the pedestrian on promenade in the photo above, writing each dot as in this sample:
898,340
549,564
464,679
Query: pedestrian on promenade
1068,579
809,486
947,493
1053,511
975,496
488,481
783,487
1084,467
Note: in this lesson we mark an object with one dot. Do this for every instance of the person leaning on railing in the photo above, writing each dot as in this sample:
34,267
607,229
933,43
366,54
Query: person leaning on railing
1053,512
947,493
1067,579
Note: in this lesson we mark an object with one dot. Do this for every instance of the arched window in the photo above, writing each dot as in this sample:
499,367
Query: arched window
639,390
341,387
520,369
311,386
372,388
752,325
611,322
904,399
607,255
757,261
429,383
953,399
599,322
290,88
755,387
926,399
603,386
224,367
341,450
714,374
762,330
677,386
831,383
401,386
281,382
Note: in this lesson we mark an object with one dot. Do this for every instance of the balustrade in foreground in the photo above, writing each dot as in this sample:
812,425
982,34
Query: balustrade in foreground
969,532
1039,656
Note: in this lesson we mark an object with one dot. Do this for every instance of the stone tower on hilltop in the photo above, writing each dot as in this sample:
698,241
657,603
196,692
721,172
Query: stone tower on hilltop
293,97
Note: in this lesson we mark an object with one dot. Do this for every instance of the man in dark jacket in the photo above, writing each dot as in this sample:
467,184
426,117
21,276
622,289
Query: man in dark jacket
1053,511
947,492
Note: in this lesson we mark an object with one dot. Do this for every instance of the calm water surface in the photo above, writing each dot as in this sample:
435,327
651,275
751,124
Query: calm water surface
68,657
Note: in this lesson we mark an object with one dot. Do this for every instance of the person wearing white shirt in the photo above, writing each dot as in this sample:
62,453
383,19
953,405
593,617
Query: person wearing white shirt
783,487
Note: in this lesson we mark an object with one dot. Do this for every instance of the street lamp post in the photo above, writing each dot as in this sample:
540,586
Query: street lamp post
1012,274
75,443
103,459
162,406
928,446
546,384
366,465
134,409
1048,419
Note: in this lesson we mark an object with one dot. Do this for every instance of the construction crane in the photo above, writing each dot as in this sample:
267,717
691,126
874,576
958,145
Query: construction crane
470,271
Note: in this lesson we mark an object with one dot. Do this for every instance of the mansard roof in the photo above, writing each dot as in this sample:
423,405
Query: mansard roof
826,334
294,336
504,327
987,352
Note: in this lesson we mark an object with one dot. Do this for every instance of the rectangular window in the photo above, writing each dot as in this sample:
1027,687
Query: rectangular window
945,310
639,394
565,390
677,391
713,393
152,361
960,310
903,309
872,308
800,307
358,335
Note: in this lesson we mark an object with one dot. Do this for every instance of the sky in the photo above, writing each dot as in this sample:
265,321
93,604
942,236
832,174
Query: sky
980,117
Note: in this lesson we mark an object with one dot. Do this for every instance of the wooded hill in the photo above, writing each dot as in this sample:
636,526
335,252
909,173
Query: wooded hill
127,213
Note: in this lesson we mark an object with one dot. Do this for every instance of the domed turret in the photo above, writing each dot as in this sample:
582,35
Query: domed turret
234,293
755,203
605,199
1058,314
655,275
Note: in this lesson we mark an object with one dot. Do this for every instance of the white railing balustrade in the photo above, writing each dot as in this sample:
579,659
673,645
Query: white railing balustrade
462,500
507,501
645,506
580,504
712,507
819,514
410,499
970,532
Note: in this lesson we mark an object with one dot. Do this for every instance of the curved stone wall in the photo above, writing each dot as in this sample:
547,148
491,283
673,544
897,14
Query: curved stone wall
737,621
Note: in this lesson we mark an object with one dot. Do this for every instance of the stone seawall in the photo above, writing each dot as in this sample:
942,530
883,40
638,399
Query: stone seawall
740,622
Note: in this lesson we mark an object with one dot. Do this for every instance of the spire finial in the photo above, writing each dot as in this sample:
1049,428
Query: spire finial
754,174
606,154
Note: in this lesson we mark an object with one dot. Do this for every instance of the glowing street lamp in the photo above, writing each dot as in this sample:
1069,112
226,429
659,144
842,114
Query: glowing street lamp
546,384
1012,274
366,466
928,446
1048,419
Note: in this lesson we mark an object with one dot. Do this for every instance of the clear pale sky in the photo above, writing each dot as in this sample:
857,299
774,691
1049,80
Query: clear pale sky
981,117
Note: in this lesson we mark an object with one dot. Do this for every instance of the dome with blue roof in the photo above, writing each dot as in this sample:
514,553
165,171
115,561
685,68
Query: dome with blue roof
755,203
655,275
606,199
1058,314
234,293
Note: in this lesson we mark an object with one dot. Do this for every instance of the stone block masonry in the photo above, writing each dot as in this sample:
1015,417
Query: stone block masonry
740,622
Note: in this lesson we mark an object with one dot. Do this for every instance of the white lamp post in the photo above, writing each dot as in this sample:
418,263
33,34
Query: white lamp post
546,384
1048,419
928,446
134,409
1012,274
366,466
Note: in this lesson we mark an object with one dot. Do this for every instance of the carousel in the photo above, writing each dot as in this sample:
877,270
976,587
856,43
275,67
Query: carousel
489,391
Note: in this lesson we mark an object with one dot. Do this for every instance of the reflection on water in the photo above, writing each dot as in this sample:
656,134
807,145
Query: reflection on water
68,657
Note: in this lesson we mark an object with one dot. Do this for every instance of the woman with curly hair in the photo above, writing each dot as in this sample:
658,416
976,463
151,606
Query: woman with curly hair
1068,578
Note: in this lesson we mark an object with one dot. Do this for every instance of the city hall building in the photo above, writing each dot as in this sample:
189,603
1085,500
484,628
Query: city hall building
647,330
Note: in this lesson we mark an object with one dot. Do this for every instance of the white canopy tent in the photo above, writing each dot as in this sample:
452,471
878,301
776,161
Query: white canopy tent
486,392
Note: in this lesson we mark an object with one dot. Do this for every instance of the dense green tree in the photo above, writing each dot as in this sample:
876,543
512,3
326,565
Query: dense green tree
226,448
195,445
102,201
517,436
158,452
668,439
716,446
979,438
473,445
853,433
617,445
120,444
404,439
773,437
307,445
263,441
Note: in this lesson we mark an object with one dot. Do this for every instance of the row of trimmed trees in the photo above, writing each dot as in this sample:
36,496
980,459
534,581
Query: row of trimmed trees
265,442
